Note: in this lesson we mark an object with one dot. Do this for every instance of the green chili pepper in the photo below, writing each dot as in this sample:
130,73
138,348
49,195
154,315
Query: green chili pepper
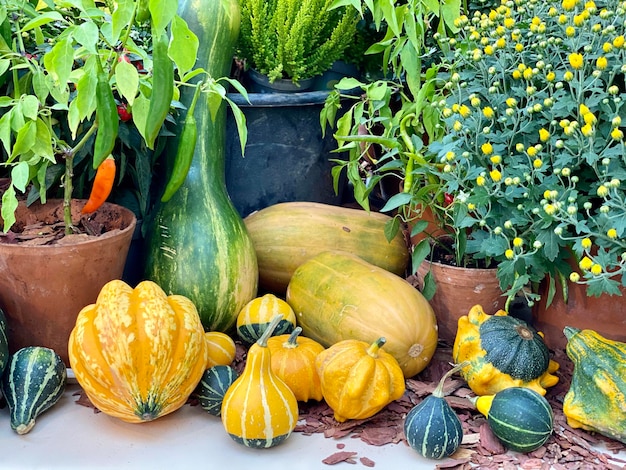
162,88
143,11
106,117
185,151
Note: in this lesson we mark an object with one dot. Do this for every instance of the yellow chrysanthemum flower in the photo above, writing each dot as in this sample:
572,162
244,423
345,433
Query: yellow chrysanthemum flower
518,242
568,76
602,191
579,20
489,50
544,135
480,181
528,74
486,148
495,159
465,111
511,102
551,76
587,130
576,60
570,31
618,41
569,4
509,22
602,62
509,254
612,233
501,43
590,118
596,269
531,151
457,126
586,243
495,175
549,209
617,134
585,263
488,112
607,47
537,163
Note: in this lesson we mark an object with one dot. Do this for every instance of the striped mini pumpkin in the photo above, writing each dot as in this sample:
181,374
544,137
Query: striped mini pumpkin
255,317
33,382
213,386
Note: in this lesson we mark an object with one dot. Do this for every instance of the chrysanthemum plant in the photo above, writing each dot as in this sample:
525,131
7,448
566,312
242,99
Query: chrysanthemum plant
534,153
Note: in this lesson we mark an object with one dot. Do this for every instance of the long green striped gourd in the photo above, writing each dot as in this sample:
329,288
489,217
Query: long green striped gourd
519,417
213,386
197,244
432,428
33,382
4,343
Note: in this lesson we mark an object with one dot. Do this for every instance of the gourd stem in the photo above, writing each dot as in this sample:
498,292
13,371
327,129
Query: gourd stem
376,345
262,341
570,331
438,392
292,341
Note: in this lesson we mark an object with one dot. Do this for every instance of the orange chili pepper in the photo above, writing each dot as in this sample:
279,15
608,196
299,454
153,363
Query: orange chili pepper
102,185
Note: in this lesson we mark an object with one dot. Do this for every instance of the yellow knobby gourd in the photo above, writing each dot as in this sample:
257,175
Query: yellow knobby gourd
359,379
138,353
596,399
502,352
259,410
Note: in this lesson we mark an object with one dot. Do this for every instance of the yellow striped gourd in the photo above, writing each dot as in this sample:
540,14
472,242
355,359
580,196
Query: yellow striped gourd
138,353
259,410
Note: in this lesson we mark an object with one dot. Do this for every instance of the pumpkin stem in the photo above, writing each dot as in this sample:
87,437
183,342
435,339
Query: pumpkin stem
376,345
292,341
570,331
262,341
438,392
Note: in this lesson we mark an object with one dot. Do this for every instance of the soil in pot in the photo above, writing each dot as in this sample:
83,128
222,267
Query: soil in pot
47,278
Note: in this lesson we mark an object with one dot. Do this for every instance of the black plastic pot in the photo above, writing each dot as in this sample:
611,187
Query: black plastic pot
286,158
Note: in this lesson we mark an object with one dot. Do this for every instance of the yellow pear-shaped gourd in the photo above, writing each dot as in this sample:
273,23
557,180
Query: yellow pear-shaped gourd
293,360
502,352
359,379
138,353
259,410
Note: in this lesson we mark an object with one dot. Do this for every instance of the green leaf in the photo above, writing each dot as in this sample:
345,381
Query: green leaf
430,286
25,139
392,227
127,81
43,142
86,34
240,120
20,176
43,18
59,61
9,204
29,107
162,12
121,19
140,113
396,201
5,131
4,65
183,47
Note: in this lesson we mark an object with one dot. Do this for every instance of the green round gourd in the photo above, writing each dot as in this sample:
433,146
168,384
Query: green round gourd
514,347
432,428
213,386
32,383
520,418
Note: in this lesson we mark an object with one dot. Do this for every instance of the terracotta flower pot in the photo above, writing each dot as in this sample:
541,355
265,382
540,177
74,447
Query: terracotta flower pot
605,314
42,288
458,290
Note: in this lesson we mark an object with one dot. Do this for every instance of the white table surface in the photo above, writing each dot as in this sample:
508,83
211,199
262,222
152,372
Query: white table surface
71,436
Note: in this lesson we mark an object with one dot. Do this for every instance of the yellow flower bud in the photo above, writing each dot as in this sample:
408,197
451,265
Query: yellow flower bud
602,191
488,112
569,4
616,134
544,135
509,254
586,243
511,102
568,76
480,181
601,62
464,111
618,41
487,148
585,263
495,175
537,163
612,233
596,269
518,242
574,277
551,76
576,60
496,159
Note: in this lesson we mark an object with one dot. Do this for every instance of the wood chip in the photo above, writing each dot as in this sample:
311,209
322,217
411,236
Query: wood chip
337,457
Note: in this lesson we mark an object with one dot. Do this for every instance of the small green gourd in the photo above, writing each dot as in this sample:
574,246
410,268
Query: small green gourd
213,385
33,382
432,428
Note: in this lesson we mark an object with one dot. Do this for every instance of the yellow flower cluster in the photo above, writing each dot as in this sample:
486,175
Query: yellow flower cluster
535,112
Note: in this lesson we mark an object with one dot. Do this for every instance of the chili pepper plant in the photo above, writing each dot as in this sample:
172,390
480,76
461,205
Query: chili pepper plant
86,84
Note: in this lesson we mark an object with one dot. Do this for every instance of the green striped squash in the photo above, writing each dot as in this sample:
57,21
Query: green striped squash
33,382
432,428
4,343
256,316
519,417
197,244
213,386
